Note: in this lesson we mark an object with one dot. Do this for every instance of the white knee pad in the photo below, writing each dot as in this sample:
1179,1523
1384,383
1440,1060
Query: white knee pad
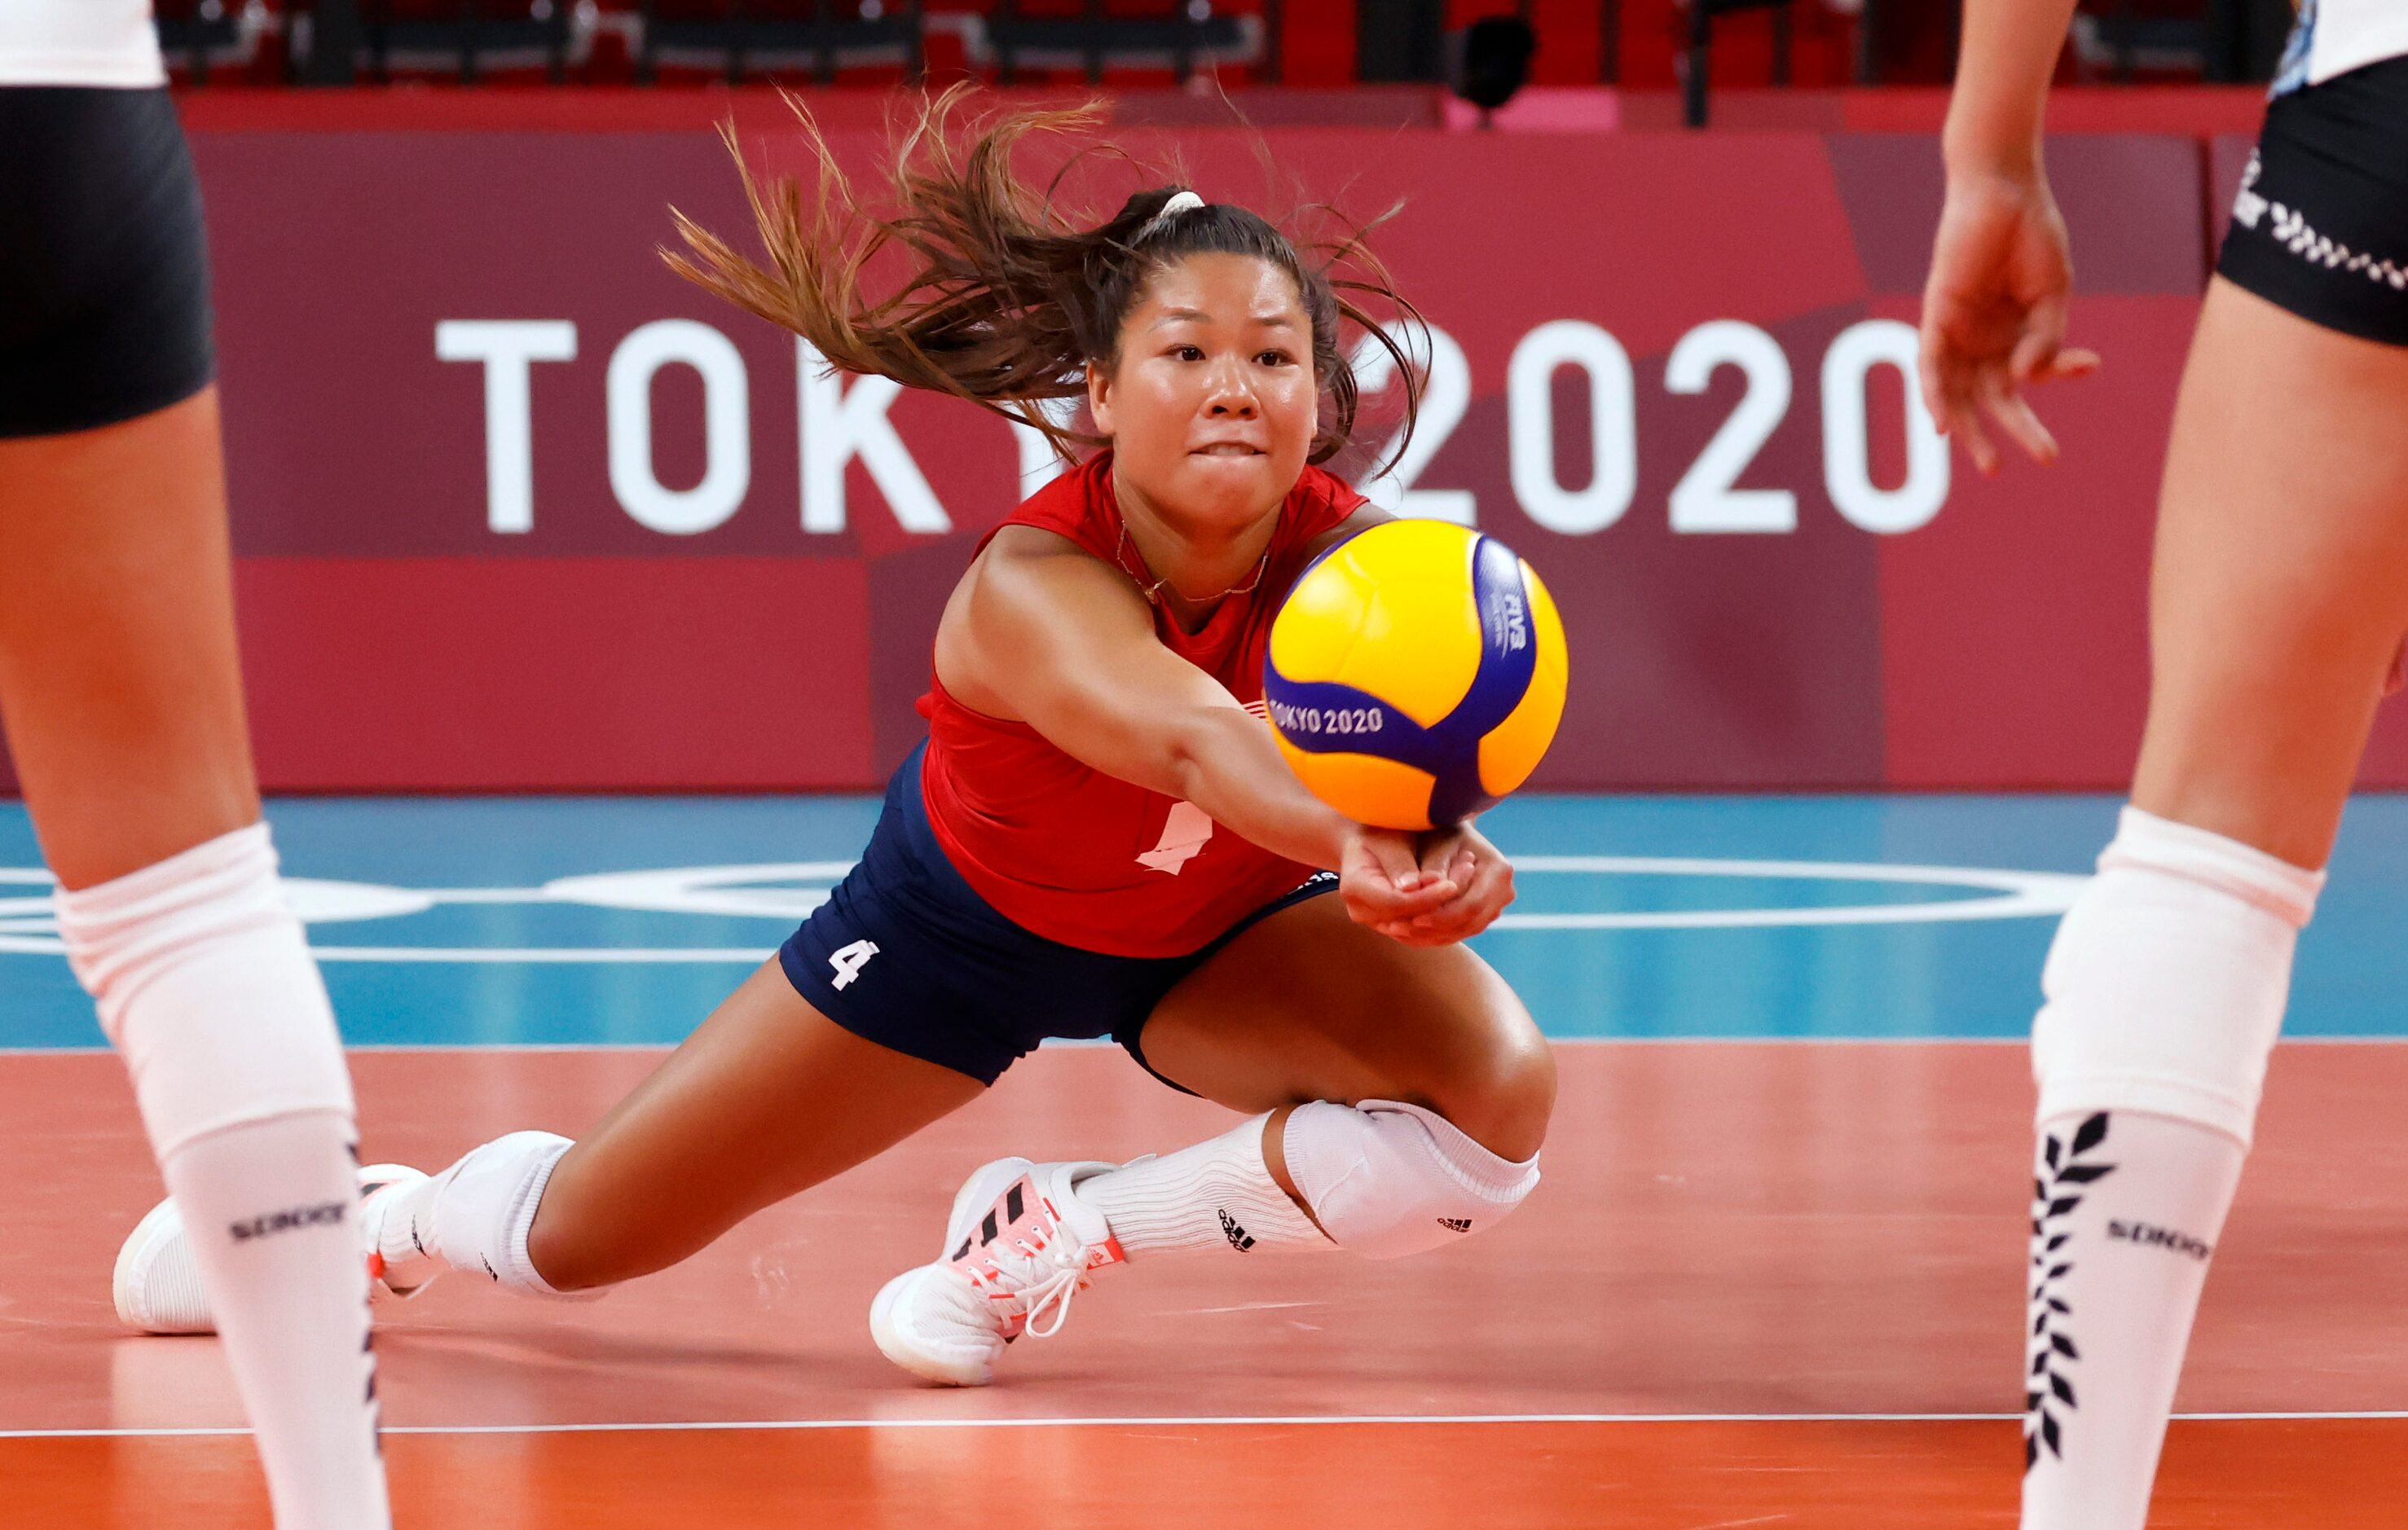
206,988
482,1208
1386,1180
2165,989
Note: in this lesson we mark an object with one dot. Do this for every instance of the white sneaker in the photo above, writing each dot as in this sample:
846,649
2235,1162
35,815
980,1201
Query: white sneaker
402,1274
1018,1245
157,1282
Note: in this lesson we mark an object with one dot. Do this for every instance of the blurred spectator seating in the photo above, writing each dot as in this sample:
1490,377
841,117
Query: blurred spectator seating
2221,40
1097,40
1135,44
201,36
465,39
736,38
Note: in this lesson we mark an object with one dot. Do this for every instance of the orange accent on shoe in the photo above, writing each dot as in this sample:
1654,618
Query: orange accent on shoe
376,1266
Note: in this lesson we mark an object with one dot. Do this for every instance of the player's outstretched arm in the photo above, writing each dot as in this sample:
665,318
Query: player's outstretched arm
1068,646
1994,309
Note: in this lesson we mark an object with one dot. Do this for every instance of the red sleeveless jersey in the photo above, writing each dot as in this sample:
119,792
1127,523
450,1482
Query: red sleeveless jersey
1067,853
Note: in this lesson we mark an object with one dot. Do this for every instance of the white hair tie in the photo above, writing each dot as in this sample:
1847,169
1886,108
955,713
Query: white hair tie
1180,202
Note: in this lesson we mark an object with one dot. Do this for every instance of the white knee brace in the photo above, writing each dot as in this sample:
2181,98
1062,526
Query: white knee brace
1386,1180
480,1210
2165,989
206,985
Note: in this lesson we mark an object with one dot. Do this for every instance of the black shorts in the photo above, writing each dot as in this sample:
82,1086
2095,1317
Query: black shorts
2321,225
906,954
103,274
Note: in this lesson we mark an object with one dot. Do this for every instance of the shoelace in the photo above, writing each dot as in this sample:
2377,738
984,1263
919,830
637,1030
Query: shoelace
1049,1294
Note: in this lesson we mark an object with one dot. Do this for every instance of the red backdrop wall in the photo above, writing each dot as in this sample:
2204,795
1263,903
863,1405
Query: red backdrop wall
1674,395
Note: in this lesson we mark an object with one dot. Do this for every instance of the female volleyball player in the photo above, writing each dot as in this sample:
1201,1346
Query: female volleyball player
1099,837
123,706
2279,600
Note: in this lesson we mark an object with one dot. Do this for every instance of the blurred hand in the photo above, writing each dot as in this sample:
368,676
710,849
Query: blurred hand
1478,882
1994,313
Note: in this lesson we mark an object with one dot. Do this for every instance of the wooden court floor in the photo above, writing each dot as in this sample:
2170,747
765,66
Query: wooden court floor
1764,1283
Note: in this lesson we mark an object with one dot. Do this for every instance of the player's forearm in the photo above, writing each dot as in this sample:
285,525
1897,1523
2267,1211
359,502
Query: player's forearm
1224,763
2004,69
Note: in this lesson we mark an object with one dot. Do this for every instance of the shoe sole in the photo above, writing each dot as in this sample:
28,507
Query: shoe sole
136,1247
890,1341
977,1196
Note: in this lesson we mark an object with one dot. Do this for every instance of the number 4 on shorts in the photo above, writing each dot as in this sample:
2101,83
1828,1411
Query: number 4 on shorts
851,960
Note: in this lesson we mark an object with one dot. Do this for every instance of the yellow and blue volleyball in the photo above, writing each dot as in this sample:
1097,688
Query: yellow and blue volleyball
1415,674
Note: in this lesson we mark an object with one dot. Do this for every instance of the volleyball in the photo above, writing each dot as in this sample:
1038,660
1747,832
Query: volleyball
1415,674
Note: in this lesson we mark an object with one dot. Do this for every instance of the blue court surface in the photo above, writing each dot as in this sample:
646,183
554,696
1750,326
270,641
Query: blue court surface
564,921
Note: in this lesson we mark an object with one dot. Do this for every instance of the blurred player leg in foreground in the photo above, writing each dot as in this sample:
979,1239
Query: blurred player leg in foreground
122,699
2280,595
2279,598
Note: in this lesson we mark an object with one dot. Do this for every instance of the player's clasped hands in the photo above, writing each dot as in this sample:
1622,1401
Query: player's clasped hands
1428,889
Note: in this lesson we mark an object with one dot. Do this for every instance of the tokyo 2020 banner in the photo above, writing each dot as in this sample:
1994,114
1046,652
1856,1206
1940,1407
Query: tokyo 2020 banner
516,509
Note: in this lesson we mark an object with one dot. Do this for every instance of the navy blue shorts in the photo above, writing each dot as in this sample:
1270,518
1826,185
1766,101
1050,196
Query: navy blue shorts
906,954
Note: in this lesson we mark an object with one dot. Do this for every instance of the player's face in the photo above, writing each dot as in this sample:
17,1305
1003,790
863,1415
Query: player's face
1214,404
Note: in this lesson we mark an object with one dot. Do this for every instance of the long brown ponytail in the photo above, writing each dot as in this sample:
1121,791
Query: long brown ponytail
1003,300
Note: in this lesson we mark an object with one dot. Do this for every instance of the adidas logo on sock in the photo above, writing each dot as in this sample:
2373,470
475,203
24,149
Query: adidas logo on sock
1456,1224
1235,1234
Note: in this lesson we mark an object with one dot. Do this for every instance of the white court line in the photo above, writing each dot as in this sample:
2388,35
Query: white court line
737,891
665,1047
98,1048
484,895
579,955
1273,1420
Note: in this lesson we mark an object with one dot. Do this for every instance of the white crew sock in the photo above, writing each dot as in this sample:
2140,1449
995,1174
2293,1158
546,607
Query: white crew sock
474,1216
2127,1210
205,986
1216,1195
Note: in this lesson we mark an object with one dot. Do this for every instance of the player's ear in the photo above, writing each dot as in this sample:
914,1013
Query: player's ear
1099,396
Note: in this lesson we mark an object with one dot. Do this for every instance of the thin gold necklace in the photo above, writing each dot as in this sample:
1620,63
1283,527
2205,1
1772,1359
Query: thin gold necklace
1153,592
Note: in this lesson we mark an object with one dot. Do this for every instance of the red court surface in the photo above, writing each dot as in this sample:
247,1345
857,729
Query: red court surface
1763,1284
